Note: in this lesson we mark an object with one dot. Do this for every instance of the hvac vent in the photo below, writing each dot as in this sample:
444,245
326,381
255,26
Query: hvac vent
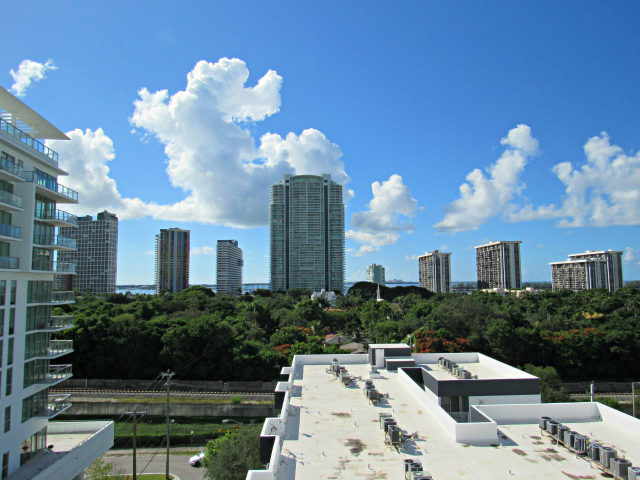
388,421
594,452
580,443
561,430
543,422
381,417
606,455
620,467
552,427
634,473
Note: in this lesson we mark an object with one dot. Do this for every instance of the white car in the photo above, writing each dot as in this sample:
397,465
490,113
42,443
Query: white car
196,460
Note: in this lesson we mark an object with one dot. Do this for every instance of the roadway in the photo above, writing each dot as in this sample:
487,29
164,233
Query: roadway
122,460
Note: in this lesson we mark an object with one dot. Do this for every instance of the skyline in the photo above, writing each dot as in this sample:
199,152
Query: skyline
450,126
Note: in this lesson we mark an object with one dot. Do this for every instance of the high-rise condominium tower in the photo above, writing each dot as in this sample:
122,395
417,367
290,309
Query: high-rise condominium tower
375,274
592,269
96,258
228,267
30,248
498,265
434,270
172,260
306,233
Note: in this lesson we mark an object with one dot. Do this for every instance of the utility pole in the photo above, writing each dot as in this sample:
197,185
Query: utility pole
633,398
135,435
592,390
168,376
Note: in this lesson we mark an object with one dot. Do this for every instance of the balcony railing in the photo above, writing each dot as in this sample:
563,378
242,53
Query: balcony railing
51,266
55,405
8,166
62,297
54,241
28,139
56,215
50,185
11,199
59,347
7,230
55,322
56,374
10,262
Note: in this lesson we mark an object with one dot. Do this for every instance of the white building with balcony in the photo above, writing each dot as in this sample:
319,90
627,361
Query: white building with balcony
30,361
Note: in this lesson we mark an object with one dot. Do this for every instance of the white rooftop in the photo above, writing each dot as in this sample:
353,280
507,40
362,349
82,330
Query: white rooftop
38,126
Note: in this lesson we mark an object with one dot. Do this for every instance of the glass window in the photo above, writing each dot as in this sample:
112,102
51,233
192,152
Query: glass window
1,323
7,419
9,381
5,465
10,352
3,287
4,249
38,317
12,321
14,288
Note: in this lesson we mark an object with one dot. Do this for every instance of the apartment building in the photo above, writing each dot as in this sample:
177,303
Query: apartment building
579,275
229,265
306,234
173,252
375,274
30,361
613,259
434,270
498,265
96,256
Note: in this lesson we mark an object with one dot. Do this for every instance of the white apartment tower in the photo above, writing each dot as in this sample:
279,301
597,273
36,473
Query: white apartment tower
30,248
173,252
96,257
613,258
498,265
229,265
435,271
306,233
375,274
592,269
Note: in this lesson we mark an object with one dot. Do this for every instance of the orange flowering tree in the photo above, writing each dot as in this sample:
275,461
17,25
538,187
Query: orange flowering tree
441,340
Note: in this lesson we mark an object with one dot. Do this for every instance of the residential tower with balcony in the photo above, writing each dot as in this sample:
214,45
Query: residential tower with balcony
498,265
229,265
172,260
434,269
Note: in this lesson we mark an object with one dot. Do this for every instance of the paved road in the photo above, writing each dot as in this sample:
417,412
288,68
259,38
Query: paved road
179,464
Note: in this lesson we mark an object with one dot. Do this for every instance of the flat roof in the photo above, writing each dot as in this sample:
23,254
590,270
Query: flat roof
484,372
40,127
334,433
497,242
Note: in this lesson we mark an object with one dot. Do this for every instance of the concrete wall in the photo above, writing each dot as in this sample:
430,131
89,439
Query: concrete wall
177,409
427,358
176,385
504,399
531,413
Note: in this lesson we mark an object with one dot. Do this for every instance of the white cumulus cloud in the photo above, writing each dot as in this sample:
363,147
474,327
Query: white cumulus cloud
379,225
204,250
485,196
603,192
630,254
211,154
29,72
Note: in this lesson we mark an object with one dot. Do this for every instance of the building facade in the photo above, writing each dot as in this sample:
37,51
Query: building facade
498,265
229,265
613,259
375,274
173,252
435,271
579,275
306,234
96,257
30,250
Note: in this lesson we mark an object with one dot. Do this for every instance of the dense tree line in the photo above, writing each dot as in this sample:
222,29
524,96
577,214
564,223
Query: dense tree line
204,336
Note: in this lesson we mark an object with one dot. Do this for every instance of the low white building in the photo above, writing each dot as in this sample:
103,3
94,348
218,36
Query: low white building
328,296
379,414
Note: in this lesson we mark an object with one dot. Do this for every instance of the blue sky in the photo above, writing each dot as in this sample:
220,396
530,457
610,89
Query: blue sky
408,99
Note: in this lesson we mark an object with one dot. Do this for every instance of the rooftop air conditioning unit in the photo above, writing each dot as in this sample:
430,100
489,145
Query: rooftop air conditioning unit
620,467
606,455
543,422
634,473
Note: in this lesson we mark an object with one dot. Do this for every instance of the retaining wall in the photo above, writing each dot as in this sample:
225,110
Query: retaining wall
177,385
177,409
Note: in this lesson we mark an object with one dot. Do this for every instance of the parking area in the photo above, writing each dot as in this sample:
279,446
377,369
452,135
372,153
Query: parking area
122,460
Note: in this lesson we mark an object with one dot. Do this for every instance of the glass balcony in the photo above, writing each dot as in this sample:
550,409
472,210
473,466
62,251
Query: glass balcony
57,373
7,230
51,266
62,297
56,216
58,347
51,185
10,167
53,323
55,405
54,241
11,199
12,263
28,139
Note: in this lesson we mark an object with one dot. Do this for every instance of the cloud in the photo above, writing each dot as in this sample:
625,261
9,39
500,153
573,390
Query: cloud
539,246
484,197
411,257
357,275
203,250
379,225
211,154
28,72
85,157
630,254
603,192
444,247
149,252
